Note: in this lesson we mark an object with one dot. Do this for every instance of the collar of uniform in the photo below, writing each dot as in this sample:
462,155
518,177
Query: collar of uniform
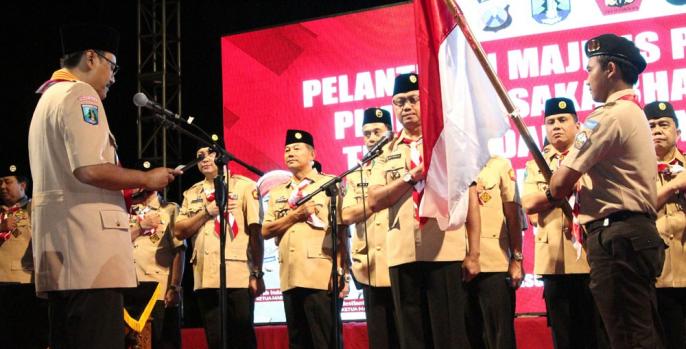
313,176
154,204
619,94
554,153
207,184
22,203
402,136
57,76
678,156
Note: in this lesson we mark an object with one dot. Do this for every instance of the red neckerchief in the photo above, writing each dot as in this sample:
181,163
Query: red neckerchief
416,194
227,216
631,98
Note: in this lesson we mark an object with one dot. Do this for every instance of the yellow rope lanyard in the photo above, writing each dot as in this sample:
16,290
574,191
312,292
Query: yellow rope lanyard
139,325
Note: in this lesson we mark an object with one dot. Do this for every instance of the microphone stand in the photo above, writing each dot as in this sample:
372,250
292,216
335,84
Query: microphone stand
331,189
221,189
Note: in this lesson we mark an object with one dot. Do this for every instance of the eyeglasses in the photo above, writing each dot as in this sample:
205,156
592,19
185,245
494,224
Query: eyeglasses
400,101
113,66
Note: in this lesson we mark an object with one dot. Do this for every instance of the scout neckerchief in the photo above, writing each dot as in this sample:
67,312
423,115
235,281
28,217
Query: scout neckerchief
209,194
7,212
577,234
631,98
57,76
296,195
139,211
671,168
418,188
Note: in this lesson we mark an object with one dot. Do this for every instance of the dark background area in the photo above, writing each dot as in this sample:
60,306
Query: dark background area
29,38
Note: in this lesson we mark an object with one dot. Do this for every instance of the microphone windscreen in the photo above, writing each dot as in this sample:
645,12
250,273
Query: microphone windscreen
140,99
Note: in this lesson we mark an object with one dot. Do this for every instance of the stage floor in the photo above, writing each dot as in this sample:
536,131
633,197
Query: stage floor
531,332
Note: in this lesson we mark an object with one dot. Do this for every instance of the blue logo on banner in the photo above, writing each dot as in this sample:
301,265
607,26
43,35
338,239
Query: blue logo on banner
550,11
496,15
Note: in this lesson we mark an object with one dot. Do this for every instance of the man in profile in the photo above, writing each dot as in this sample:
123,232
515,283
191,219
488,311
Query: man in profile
82,246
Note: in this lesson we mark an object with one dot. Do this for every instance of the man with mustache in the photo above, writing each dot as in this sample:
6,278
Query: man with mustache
561,265
671,220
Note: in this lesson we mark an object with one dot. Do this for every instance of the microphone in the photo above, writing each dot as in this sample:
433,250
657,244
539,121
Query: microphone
191,164
142,101
387,137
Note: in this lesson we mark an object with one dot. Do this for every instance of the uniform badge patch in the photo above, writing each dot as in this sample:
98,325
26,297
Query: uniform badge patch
580,139
591,124
394,156
484,197
511,173
395,175
90,113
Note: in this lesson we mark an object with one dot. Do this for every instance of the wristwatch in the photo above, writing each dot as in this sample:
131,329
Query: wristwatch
257,274
407,178
518,256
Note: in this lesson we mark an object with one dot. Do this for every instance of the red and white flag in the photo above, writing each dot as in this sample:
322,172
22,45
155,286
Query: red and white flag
460,109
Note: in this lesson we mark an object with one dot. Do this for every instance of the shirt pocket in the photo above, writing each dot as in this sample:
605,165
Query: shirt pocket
315,250
114,219
236,254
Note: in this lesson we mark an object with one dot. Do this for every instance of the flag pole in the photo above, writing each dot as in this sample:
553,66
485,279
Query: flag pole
504,97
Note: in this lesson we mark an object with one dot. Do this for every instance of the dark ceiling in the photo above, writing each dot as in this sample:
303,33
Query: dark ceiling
30,41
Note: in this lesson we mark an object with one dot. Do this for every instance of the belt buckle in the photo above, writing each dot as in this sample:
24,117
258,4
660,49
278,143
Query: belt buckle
606,222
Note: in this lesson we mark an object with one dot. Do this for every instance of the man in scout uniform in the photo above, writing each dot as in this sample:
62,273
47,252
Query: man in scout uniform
426,263
368,251
81,242
199,220
159,259
671,220
491,295
303,235
559,257
24,316
618,197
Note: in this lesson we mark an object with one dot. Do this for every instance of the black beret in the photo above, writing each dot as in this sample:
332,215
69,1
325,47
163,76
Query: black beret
79,37
659,109
405,83
372,115
15,168
299,136
617,47
559,105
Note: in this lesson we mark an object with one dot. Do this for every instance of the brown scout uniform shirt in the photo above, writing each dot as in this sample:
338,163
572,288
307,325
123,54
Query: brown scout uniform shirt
205,257
80,235
154,253
373,248
405,242
304,250
16,256
671,223
495,185
554,253
615,148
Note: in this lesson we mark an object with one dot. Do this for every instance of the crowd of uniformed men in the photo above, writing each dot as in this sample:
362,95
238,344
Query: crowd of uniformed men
609,280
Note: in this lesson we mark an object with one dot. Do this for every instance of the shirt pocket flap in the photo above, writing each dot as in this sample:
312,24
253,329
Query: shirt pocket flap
114,219
316,251
236,254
